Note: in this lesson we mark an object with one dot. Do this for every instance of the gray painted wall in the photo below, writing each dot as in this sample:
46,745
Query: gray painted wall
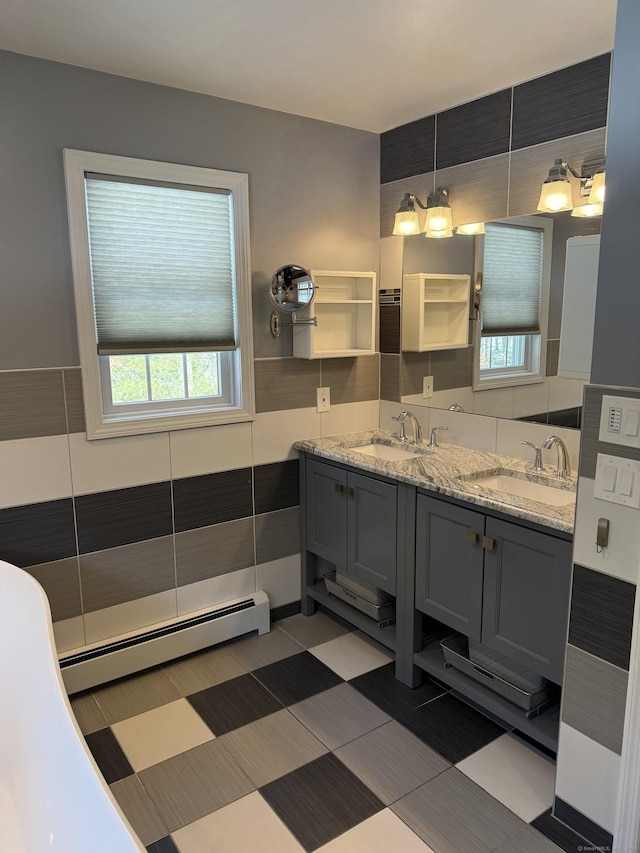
314,194
616,349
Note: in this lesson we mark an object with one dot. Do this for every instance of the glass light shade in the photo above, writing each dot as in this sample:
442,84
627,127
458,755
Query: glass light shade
444,232
438,219
471,228
587,210
406,223
596,196
555,197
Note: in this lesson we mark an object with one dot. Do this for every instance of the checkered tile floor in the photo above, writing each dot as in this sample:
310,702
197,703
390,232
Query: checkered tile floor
302,740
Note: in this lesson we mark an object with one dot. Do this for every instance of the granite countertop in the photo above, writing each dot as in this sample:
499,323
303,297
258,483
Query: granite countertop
452,470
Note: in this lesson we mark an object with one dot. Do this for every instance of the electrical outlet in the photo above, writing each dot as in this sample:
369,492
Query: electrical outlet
427,386
324,399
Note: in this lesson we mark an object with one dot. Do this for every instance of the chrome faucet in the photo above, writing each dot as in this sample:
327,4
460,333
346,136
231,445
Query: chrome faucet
564,467
456,407
537,462
417,429
433,441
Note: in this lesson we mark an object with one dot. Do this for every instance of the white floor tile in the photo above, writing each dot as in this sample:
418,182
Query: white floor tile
381,833
349,656
520,777
248,824
161,733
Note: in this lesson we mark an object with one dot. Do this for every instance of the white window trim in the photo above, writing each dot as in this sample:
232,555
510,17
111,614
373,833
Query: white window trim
98,424
529,377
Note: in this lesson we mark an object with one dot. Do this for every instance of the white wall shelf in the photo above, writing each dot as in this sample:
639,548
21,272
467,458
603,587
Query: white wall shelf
435,311
345,308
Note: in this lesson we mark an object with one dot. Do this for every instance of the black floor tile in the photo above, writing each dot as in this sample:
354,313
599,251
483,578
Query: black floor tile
164,845
560,834
320,801
109,756
297,677
451,728
233,703
380,686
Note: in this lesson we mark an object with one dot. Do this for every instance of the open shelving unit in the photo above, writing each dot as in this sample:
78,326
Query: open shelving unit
435,311
344,307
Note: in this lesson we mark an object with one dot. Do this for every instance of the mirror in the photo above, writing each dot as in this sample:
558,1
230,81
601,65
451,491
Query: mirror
291,289
542,402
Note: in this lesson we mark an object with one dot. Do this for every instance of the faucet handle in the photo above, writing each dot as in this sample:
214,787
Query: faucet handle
433,441
400,419
537,462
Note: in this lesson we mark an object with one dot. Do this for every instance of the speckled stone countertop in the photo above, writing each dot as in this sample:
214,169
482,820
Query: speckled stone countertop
451,470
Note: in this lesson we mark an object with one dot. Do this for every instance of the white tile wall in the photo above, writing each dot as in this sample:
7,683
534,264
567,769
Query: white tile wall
350,417
33,470
621,559
130,616
118,463
530,399
564,393
464,429
496,402
587,776
274,433
210,449
280,579
198,596
69,634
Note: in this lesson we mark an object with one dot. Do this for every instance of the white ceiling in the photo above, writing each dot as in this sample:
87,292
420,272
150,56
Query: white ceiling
370,64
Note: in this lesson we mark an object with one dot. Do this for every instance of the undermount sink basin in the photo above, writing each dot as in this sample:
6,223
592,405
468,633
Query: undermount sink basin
521,488
385,451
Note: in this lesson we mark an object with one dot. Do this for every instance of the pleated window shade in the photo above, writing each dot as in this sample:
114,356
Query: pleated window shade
512,279
162,266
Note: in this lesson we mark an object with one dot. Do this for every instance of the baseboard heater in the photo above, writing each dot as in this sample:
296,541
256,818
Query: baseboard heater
155,644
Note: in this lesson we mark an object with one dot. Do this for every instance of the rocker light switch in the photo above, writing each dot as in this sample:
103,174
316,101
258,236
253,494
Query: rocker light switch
617,480
626,483
609,478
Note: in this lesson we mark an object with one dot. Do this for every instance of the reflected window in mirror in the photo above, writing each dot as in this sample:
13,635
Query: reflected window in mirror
514,260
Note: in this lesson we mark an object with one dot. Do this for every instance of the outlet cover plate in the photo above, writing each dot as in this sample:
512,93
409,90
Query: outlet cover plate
427,386
324,399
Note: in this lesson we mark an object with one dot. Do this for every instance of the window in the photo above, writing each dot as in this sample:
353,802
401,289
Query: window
162,285
514,258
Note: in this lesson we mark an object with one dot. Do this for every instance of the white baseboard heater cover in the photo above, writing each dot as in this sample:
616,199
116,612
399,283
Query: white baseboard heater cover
155,644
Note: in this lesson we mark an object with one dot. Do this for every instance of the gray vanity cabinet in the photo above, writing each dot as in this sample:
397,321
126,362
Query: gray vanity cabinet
351,522
449,568
494,581
527,578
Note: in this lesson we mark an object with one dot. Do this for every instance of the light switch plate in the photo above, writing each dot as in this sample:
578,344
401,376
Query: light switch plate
619,421
617,480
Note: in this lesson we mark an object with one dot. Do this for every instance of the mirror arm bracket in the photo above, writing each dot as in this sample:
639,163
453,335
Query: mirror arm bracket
276,323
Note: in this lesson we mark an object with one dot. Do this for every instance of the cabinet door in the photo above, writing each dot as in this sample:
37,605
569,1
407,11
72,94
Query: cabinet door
372,531
326,511
449,559
526,596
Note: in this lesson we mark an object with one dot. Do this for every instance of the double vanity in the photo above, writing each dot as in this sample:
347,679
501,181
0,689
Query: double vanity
437,552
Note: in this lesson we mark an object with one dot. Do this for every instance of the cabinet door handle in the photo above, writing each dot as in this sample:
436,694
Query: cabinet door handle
339,488
349,491
488,543
471,536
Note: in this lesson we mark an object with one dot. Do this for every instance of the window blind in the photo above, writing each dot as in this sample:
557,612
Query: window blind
161,266
512,279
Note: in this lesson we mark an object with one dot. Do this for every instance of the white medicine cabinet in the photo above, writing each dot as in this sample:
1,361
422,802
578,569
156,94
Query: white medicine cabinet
435,311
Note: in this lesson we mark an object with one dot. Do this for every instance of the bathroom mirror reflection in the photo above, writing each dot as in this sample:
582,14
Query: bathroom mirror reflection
291,289
555,401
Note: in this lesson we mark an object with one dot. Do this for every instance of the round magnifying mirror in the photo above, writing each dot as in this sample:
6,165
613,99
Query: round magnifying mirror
291,289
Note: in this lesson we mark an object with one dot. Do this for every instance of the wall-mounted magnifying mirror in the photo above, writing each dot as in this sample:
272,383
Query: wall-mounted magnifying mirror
291,290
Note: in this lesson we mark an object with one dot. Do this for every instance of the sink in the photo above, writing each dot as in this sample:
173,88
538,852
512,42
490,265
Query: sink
385,451
521,488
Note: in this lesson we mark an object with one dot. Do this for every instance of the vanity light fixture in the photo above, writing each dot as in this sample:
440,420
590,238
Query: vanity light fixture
407,222
471,228
557,192
438,222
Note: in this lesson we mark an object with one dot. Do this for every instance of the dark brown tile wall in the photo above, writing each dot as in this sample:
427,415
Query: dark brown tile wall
407,150
473,130
212,498
32,404
601,619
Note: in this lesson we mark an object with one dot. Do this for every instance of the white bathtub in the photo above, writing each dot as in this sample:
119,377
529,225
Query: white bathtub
52,796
